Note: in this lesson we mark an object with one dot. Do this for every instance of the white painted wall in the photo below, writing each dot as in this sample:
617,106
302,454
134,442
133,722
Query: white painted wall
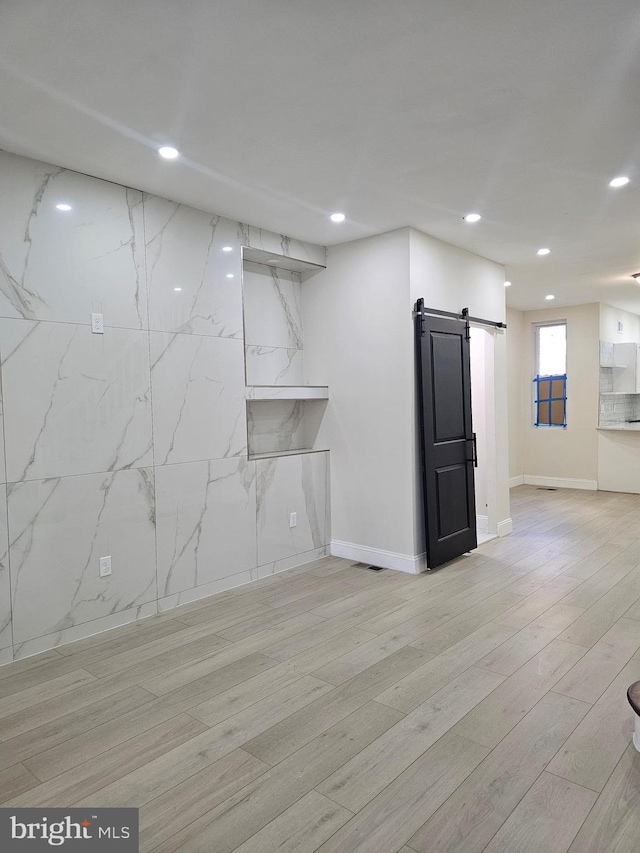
449,279
571,453
480,341
515,385
609,318
357,316
359,341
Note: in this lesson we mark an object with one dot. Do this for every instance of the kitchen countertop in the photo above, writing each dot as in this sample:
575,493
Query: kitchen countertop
625,427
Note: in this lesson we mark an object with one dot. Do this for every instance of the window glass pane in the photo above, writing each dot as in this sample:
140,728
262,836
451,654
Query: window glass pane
544,389
552,350
557,413
543,413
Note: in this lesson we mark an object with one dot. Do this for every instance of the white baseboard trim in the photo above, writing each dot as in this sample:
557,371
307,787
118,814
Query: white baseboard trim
378,557
516,481
504,527
560,482
482,523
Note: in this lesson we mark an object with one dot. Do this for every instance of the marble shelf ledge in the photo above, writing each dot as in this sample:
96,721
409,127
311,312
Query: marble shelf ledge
624,427
282,262
619,393
291,392
275,453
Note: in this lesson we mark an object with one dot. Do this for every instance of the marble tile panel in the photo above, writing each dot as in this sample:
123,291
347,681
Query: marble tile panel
273,366
206,522
58,530
88,406
288,484
85,629
188,269
3,467
198,397
291,562
6,638
279,244
276,425
196,593
64,265
6,655
272,307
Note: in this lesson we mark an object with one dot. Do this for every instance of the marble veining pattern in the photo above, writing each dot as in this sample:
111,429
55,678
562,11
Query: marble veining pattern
288,484
5,583
272,299
206,522
276,426
99,433
198,397
273,365
88,406
188,269
3,467
66,524
57,265
279,244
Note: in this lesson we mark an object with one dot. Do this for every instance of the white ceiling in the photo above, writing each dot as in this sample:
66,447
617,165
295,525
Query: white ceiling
397,112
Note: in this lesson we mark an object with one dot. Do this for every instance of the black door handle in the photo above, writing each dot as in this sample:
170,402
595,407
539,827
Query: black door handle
474,446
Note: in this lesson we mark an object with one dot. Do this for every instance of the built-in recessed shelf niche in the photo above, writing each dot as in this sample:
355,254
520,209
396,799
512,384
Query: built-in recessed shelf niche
272,298
279,427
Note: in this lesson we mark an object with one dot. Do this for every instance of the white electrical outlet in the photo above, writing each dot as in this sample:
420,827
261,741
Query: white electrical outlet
105,567
293,519
97,324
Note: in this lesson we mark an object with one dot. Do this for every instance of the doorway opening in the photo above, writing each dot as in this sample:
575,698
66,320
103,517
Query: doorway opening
482,352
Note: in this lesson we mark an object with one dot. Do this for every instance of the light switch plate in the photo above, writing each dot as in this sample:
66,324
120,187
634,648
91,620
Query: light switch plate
105,567
97,324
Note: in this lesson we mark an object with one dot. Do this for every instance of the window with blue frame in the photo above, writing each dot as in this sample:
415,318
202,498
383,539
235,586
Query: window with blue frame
550,381
551,400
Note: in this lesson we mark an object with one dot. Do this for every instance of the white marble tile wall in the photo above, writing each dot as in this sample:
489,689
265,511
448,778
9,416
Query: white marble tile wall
274,365
6,636
283,425
206,514
287,484
74,402
198,397
60,527
276,425
133,444
273,325
62,265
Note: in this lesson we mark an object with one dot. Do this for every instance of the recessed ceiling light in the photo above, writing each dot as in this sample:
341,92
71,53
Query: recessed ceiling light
636,276
63,207
337,217
168,152
229,275
543,251
177,288
507,284
550,296
622,181
227,248
472,217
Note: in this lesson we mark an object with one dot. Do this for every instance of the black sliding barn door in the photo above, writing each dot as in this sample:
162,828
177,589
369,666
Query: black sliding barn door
448,443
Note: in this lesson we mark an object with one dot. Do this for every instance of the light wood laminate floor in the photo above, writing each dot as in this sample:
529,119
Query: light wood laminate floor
480,707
